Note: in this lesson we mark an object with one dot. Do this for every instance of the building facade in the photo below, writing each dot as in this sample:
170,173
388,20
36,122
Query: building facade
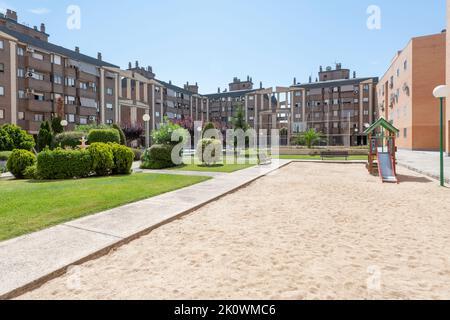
405,92
40,80
337,105
447,56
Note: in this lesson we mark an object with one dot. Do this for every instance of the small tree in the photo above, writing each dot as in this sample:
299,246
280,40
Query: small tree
309,138
57,128
239,121
45,136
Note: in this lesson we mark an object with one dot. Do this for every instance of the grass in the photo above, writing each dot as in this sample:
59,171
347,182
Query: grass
28,206
301,157
223,168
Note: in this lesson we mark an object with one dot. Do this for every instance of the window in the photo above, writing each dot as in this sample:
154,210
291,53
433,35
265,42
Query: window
298,93
21,94
20,73
56,59
20,51
398,72
57,79
71,118
157,114
109,121
405,133
38,76
2,114
405,65
2,67
70,82
38,97
38,117
38,56
335,125
366,100
83,120
93,86
2,44
2,91
109,91
70,100
251,98
83,85
109,106
21,115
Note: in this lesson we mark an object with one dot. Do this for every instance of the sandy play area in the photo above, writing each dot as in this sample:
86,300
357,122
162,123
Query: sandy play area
310,231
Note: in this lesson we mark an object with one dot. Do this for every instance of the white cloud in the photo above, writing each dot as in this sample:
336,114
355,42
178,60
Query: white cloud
40,11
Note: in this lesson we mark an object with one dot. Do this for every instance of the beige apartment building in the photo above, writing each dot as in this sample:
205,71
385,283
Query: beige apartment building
447,55
405,92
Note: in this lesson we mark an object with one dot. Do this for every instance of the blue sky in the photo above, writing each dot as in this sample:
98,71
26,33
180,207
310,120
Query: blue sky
211,41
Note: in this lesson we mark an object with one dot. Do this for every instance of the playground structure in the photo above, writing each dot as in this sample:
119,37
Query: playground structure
382,159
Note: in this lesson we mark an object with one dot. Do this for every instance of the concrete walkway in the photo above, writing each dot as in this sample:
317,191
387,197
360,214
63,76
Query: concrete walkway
29,261
426,163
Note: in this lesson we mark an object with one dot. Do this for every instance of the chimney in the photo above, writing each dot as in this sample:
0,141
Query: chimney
321,69
260,85
11,15
137,64
77,49
149,69
35,28
354,74
129,66
295,81
170,82
218,90
42,27
99,56
310,79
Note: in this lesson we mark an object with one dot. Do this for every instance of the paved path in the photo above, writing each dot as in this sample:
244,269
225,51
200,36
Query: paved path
32,259
426,163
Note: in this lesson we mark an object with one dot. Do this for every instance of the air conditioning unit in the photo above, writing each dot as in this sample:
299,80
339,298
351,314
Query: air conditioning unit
30,91
30,73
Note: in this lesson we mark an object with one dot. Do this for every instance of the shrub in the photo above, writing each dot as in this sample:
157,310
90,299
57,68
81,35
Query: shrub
164,134
123,138
45,136
85,128
123,158
57,128
102,158
209,151
133,133
69,139
137,154
158,157
4,155
104,136
31,172
13,137
19,161
64,164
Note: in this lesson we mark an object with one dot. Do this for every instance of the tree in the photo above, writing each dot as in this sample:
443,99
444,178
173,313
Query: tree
309,138
57,128
208,126
239,121
45,136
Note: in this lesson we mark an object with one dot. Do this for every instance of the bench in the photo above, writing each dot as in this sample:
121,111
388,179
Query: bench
334,154
263,159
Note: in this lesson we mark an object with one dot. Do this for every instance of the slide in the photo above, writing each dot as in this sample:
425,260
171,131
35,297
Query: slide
386,167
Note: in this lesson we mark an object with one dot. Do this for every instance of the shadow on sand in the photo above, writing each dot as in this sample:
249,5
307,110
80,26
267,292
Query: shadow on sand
403,178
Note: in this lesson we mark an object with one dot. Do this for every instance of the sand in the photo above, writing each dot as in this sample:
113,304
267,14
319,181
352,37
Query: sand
310,231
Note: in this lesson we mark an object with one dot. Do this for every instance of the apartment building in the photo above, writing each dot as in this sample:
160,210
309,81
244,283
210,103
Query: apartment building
336,104
40,80
258,104
447,56
405,92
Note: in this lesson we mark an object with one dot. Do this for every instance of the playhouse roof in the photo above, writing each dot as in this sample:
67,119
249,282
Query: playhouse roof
381,123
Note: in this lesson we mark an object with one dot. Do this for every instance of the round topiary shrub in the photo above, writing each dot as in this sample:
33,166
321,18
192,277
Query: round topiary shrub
104,136
64,164
69,139
158,157
19,161
123,158
102,158
13,137
209,151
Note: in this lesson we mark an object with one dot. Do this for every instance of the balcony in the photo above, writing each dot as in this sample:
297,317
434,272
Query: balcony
87,94
33,126
40,106
86,111
38,65
38,85
70,108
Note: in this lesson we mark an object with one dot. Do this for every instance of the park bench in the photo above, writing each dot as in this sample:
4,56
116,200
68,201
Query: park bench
334,154
263,159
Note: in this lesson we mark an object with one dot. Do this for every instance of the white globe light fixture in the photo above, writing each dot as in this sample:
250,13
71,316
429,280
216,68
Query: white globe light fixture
441,92
64,123
146,118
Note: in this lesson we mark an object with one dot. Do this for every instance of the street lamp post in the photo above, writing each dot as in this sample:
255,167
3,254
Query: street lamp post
146,119
441,92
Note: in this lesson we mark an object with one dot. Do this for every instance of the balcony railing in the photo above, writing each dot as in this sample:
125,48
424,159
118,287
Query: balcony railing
40,106
38,65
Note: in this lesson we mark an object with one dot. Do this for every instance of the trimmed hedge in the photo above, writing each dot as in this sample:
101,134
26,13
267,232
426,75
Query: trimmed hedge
123,158
104,136
102,158
158,157
64,164
13,137
209,151
69,139
19,161
4,155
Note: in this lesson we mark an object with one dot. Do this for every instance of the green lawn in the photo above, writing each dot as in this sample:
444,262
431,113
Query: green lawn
227,168
28,206
299,157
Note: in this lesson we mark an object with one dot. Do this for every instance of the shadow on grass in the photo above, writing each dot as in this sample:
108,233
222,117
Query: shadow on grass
201,166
